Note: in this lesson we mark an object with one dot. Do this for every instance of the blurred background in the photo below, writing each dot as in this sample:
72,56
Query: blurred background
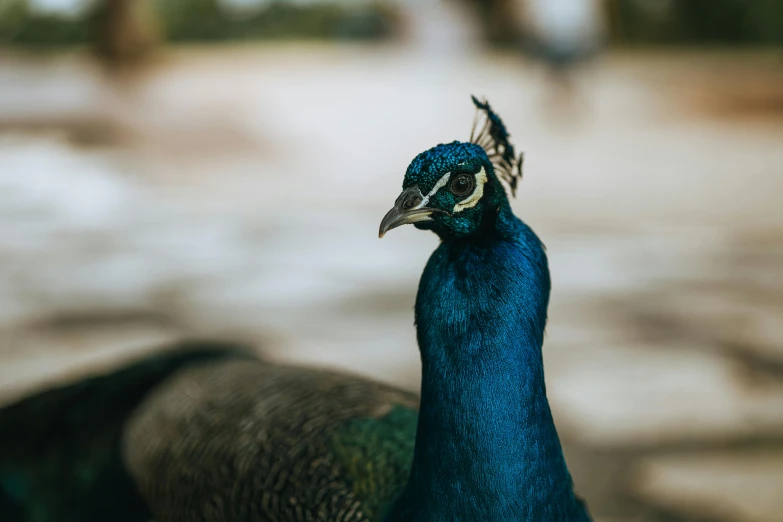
219,168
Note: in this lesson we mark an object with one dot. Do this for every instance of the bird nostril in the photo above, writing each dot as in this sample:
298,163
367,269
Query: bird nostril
411,202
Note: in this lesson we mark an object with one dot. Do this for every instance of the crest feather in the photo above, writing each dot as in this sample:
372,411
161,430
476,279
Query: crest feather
490,134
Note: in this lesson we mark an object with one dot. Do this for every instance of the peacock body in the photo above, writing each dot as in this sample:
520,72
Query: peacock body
214,435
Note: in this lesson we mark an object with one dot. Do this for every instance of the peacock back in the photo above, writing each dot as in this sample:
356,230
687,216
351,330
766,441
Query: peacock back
247,440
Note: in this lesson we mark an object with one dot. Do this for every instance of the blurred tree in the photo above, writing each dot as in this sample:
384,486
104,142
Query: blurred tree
499,21
700,22
127,29
125,32
20,24
212,20
655,22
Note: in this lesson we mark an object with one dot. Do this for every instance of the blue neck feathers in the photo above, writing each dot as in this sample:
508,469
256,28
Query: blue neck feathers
486,444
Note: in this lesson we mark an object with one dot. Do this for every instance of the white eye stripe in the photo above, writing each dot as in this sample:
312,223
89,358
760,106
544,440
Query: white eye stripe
470,202
478,192
439,185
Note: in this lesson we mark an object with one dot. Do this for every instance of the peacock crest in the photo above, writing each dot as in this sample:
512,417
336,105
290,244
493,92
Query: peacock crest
490,134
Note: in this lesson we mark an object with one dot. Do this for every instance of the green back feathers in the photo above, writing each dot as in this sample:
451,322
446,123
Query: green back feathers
255,441
377,454
207,435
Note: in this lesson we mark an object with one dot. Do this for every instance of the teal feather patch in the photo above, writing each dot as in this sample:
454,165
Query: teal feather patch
376,454
13,485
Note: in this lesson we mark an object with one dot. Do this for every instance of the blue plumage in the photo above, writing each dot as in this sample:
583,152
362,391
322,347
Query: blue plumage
486,444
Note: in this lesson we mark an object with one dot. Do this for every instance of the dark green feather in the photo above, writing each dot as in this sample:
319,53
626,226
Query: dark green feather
376,453
60,455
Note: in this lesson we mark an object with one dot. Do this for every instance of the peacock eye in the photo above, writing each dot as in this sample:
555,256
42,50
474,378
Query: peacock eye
462,185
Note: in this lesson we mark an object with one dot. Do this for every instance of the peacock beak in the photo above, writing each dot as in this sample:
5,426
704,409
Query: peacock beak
409,208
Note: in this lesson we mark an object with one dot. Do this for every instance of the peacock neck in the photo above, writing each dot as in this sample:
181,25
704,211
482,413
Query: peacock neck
486,444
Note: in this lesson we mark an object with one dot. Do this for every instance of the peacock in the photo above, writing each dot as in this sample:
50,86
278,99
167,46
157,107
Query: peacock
210,432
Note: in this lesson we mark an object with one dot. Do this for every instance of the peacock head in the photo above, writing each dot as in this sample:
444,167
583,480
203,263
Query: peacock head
457,189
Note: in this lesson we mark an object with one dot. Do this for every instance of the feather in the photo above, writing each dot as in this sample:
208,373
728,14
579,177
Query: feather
493,137
60,455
